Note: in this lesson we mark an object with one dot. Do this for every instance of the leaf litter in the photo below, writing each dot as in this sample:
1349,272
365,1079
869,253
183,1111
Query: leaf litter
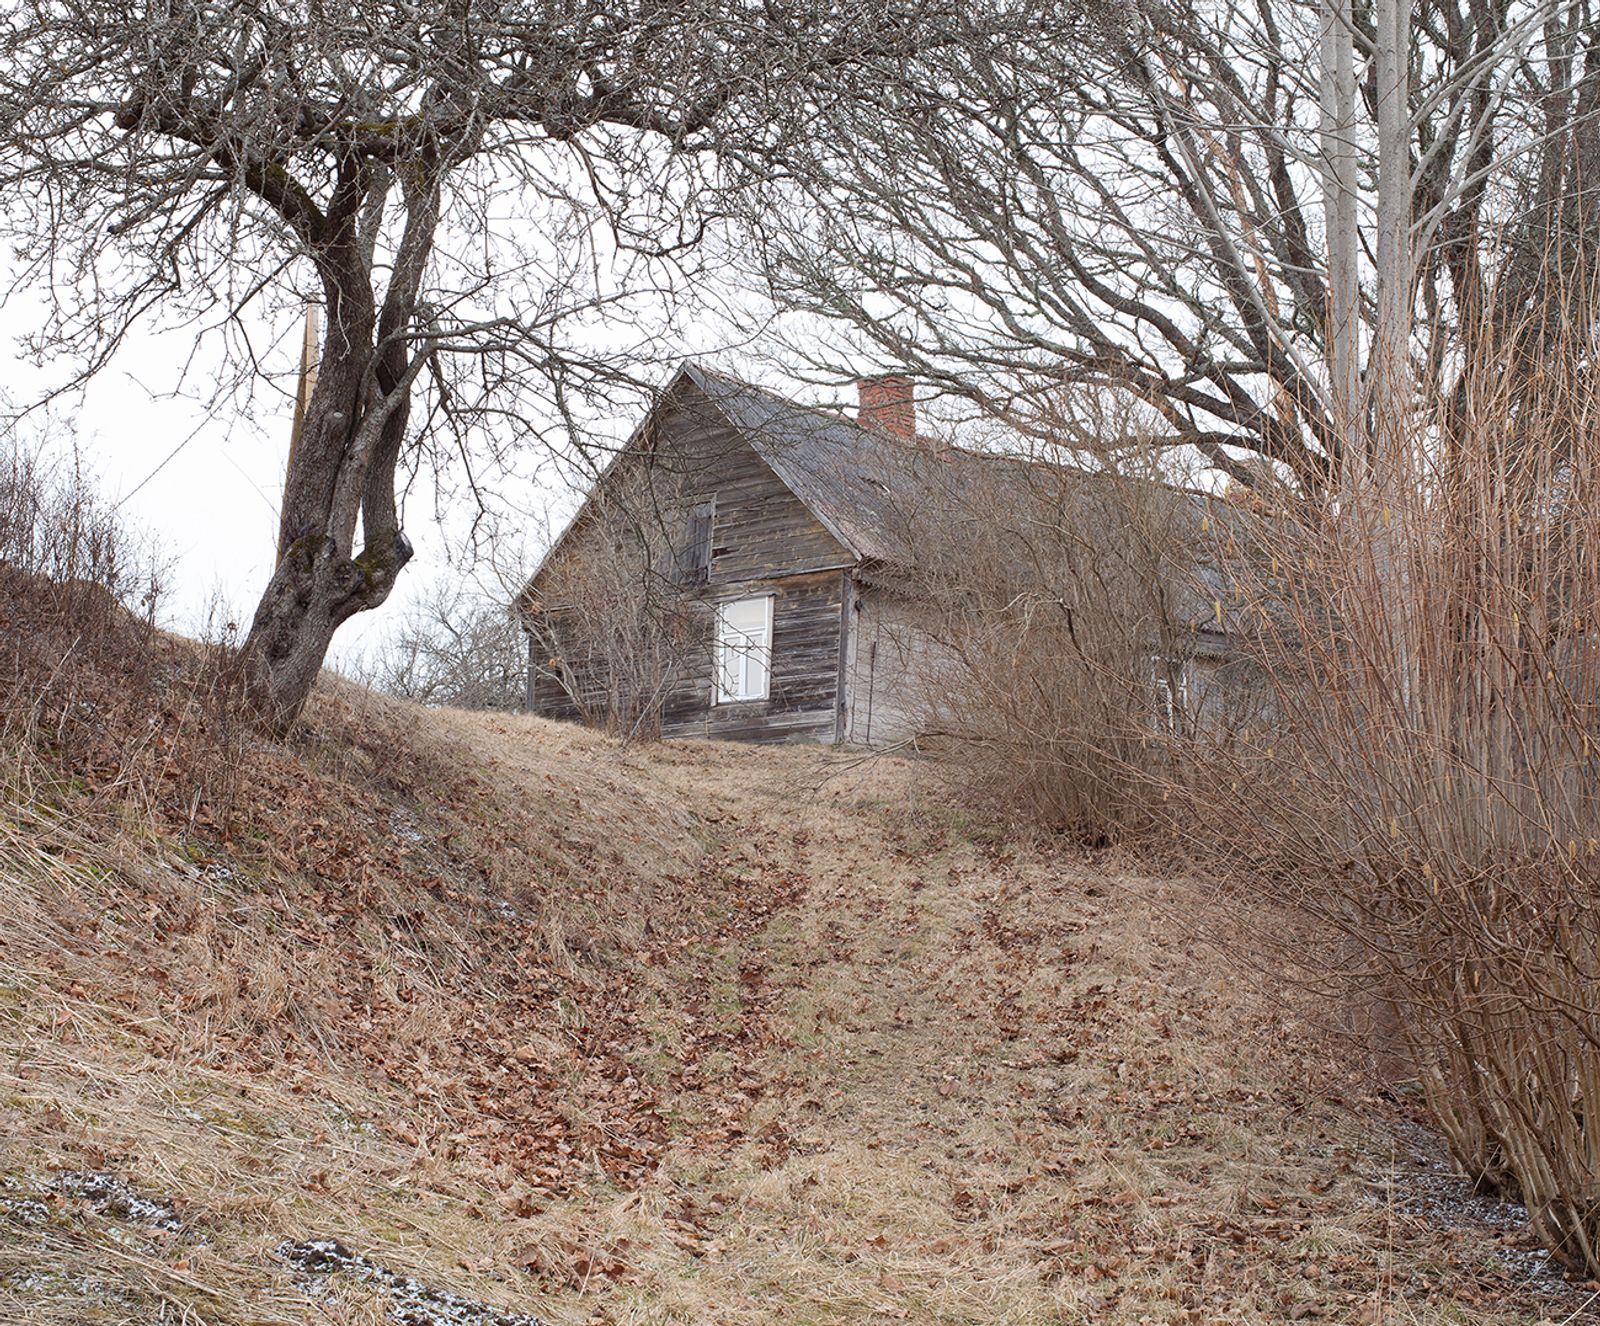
674,1036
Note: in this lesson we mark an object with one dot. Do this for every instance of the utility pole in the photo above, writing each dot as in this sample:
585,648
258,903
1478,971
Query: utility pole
309,359
1384,501
1339,206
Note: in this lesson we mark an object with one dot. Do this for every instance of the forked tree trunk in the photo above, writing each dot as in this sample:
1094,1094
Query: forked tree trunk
316,588
342,467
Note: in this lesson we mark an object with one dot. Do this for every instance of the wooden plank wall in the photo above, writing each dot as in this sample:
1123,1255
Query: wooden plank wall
802,699
764,540
761,530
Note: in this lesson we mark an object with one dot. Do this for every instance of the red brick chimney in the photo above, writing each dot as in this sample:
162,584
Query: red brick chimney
887,406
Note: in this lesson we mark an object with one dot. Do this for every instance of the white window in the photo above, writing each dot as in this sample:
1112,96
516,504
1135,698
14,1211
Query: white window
1170,681
744,649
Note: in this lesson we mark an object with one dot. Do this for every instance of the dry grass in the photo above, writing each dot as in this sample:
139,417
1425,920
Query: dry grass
877,1065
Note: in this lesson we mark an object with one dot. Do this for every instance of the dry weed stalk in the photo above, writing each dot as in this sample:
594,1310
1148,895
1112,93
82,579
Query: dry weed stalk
1430,781
93,697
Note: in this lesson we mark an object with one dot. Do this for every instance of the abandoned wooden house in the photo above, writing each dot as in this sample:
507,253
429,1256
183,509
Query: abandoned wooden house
744,569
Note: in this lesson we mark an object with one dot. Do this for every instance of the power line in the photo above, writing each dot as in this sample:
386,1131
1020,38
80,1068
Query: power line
170,457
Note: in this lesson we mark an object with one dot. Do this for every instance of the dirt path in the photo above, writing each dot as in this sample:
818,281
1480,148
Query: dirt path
947,1083
685,1036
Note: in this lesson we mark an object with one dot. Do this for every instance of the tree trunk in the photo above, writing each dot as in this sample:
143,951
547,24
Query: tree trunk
314,591
1339,200
1391,485
1391,348
342,468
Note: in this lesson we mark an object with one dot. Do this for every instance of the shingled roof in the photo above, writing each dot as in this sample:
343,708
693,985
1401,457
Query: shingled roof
852,479
869,489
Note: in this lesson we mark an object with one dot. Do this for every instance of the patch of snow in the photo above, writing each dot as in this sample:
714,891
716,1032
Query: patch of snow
411,1303
403,825
22,1206
54,1282
346,1122
109,1195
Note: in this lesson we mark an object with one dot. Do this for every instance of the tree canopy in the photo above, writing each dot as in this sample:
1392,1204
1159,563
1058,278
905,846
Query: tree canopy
1166,199
453,183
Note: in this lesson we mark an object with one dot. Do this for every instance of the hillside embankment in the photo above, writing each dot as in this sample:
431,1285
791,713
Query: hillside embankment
441,1017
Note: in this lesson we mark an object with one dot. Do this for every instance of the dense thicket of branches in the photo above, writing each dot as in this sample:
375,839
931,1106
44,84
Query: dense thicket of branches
458,646
1430,796
1055,647
1185,203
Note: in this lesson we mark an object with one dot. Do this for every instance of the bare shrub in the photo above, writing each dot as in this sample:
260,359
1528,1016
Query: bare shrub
611,626
1058,638
96,704
70,571
459,647
1430,789
53,526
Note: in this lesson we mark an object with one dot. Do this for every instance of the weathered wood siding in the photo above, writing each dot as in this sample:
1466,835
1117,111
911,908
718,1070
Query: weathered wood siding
764,540
890,659
761,530
546,695
802,697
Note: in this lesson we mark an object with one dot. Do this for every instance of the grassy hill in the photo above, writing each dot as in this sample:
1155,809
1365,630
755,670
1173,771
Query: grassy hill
443,1017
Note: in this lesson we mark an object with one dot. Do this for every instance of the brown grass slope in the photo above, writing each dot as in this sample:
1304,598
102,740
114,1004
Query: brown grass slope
683,1035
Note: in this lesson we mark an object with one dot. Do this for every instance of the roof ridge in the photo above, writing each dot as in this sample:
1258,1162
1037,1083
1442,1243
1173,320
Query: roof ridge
833,416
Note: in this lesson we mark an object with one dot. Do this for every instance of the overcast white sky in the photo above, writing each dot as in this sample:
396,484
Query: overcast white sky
207,486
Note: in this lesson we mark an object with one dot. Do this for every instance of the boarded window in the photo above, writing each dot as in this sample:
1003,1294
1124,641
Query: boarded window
694,554
744,649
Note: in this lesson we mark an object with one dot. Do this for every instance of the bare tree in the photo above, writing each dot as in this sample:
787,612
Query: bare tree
1228,211
460,646
451,178
611,619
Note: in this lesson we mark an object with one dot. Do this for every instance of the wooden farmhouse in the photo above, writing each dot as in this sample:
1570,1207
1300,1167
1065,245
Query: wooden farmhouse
746,568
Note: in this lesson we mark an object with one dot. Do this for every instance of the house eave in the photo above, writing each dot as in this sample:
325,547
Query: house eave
700,378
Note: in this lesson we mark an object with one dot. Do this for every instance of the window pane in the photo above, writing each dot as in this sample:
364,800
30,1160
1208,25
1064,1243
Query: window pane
755,672
744,649
727,672
748,617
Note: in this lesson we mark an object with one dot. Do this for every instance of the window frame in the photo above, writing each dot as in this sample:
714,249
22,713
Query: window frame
1170,704
719,672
